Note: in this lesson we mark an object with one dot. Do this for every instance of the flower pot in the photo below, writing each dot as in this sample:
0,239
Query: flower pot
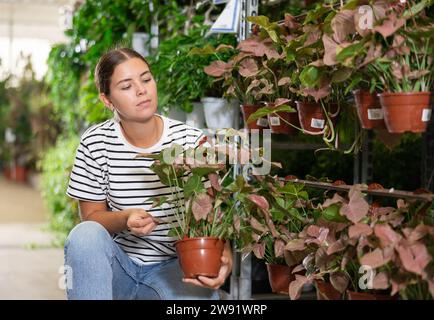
17,173
352,295
200,256
196,118
369,110
311,116
280,276
406,111
277,125
219,113
325,291
247,110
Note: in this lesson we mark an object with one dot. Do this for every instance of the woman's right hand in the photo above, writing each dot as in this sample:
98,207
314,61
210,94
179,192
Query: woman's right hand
140,222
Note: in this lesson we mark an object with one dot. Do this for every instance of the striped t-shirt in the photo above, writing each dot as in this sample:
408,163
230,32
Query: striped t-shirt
105,169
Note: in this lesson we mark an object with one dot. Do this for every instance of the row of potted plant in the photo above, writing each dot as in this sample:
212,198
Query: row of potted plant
382,59
339,241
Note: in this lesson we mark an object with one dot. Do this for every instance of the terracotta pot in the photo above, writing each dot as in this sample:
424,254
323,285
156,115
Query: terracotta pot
312,116
200,256
280,276
19,174
406,111
279,126
325,291
248,109
369,296
369,110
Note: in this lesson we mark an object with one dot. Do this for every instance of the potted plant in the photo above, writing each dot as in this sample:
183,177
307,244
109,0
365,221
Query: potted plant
179,72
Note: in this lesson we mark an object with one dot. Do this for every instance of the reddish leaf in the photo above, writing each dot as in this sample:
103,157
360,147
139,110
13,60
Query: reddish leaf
358,230
357,208
248,68
343,25
294,245
374,259
296,286
298,268
279,246
337,246
330,47
260,201
218,68
237,223
201,206
390,25
339,281
284,81
336,199
214,179
257,225
259,250
280,101
381,281
414,258
386,235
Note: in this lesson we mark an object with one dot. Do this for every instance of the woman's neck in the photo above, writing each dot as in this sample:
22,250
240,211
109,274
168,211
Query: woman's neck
143,134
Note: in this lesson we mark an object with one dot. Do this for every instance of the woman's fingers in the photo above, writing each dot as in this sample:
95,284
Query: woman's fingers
213,283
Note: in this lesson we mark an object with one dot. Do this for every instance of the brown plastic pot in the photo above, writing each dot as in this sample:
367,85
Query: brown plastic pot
279,277
352,295
312,117
18,174
248,109
325,291
200,256
406,111
369,110
277,125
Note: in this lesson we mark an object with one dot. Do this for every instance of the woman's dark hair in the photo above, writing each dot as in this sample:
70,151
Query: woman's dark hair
107,64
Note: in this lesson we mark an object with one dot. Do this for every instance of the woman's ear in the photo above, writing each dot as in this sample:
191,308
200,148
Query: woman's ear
104,99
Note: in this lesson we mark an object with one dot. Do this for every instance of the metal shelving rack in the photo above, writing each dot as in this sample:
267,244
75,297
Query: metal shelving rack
240,281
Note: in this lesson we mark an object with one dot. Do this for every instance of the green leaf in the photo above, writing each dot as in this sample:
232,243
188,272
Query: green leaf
351,51
193,185
309,76
341,75
207,50
262,21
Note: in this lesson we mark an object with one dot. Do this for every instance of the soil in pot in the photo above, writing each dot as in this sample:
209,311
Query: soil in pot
352,295
325,291
261,123
369,110
406,111
280,276
200,256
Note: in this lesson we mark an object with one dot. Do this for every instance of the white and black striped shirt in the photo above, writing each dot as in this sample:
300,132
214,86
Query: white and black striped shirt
105,169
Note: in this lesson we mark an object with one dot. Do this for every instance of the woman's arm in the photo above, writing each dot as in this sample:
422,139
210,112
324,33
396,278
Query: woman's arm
137,220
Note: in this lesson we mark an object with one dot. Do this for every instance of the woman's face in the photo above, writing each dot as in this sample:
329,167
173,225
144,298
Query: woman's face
133,91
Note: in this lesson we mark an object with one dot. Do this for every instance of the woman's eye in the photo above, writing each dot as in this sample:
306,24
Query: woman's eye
146,80
126,88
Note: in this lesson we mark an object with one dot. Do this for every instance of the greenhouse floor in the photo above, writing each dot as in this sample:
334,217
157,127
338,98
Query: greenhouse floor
29,265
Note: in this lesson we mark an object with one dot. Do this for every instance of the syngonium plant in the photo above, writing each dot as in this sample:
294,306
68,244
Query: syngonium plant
396,243
202,183
272,216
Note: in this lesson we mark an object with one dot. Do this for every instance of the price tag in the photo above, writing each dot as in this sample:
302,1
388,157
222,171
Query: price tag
262,122
275,121
426,115
317,123
375,114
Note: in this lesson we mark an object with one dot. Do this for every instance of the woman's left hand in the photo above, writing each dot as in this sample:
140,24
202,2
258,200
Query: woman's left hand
225,270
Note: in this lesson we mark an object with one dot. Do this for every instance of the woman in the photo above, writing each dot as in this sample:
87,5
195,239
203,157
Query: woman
119,251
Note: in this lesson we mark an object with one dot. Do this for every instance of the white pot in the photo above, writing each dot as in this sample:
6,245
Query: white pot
219,113
196,118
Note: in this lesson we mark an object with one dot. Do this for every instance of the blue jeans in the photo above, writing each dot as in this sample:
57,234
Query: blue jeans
97,268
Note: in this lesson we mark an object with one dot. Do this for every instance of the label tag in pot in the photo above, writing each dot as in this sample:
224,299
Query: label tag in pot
375,114
426,115
275,121
262,122
317,123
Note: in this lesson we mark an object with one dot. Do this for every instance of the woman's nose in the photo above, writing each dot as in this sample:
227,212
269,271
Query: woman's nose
141,89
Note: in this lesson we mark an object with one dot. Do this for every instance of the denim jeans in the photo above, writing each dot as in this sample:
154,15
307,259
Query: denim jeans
97,268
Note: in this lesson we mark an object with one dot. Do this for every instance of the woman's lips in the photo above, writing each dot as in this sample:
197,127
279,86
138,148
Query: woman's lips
144,104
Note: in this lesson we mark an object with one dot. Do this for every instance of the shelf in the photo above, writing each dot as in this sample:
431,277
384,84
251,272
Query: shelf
429,197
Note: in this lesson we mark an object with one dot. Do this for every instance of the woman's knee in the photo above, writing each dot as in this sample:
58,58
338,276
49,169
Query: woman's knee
88,236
